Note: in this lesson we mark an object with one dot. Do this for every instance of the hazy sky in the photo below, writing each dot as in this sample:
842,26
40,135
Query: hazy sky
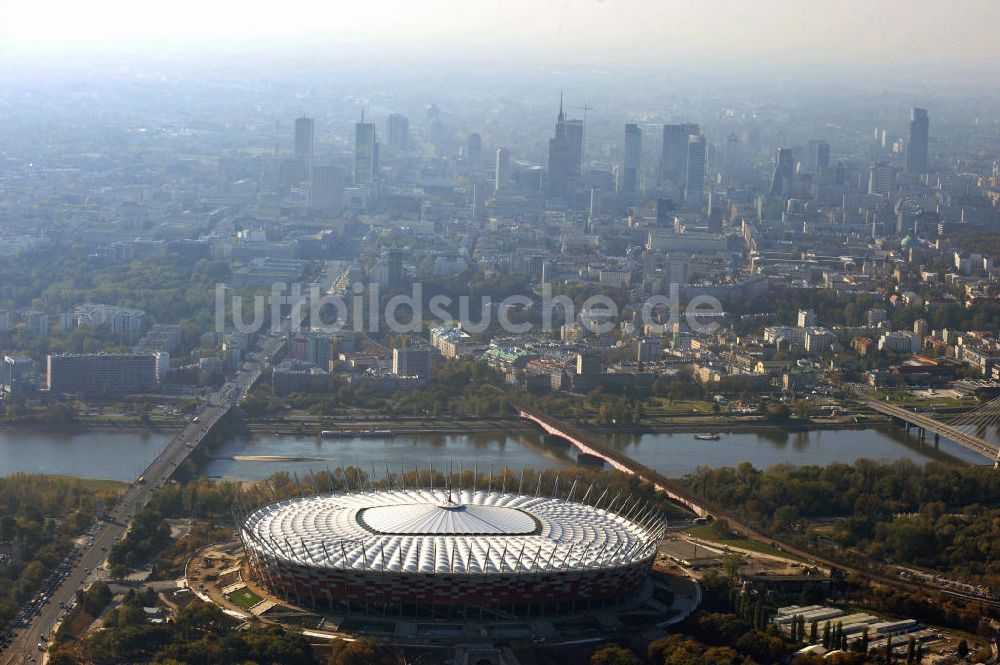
882,34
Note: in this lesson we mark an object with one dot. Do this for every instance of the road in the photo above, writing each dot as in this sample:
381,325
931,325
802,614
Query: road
878,573
974,443
94,553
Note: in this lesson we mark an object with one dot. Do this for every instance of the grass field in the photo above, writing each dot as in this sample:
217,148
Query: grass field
245,598
662,405
734,540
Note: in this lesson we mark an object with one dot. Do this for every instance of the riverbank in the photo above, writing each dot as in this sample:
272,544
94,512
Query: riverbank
745,425
77,426
360,429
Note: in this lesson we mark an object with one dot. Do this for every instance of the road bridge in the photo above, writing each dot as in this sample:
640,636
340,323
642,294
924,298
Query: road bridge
587,442
963,430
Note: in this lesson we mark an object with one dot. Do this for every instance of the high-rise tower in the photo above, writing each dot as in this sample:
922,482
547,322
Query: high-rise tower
694,187
822,157
574,134
365,152
560,158
326,194
304,131
474,148
631,162
501,170
916,150
784,173
398,130
674,154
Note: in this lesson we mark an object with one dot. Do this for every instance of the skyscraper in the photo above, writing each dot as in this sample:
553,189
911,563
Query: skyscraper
574,133
731,156
304,131
560,158
916,150
365,152
784,173
501,170
478,201
474,148
694,182
880,178
822,158
398,130
633,155
674,154
326,194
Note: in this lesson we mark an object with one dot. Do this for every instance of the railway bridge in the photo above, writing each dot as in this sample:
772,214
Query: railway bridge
589,444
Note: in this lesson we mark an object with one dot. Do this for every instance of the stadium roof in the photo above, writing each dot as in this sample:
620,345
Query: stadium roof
439,531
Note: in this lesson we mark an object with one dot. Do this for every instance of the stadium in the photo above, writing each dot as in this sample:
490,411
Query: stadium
439,552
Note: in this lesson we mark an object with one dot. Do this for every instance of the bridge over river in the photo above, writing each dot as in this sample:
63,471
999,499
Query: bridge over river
969,430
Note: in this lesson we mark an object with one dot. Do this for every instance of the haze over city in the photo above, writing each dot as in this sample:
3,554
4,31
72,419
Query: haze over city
888,38
488,333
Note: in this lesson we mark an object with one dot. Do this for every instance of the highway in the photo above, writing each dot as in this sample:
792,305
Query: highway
25,646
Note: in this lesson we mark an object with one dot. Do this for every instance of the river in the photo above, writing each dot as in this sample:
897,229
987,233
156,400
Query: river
678,454
105,454
122,455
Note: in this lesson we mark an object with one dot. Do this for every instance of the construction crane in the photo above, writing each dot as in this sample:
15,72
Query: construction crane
585,108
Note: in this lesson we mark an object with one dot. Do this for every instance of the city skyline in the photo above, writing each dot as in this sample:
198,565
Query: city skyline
492,333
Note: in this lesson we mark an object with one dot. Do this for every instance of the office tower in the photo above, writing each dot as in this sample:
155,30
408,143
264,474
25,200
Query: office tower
880,178
326,194
674,153
806,318
593,203
784,173
474,148
398,131
715,213
365,152
633,155
304,131
731,155
916,150
574,135
411,361
589,362
478,202
560,156
821,158
501,170
694,181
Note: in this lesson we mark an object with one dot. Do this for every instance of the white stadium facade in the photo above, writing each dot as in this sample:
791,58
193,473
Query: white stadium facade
438,551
